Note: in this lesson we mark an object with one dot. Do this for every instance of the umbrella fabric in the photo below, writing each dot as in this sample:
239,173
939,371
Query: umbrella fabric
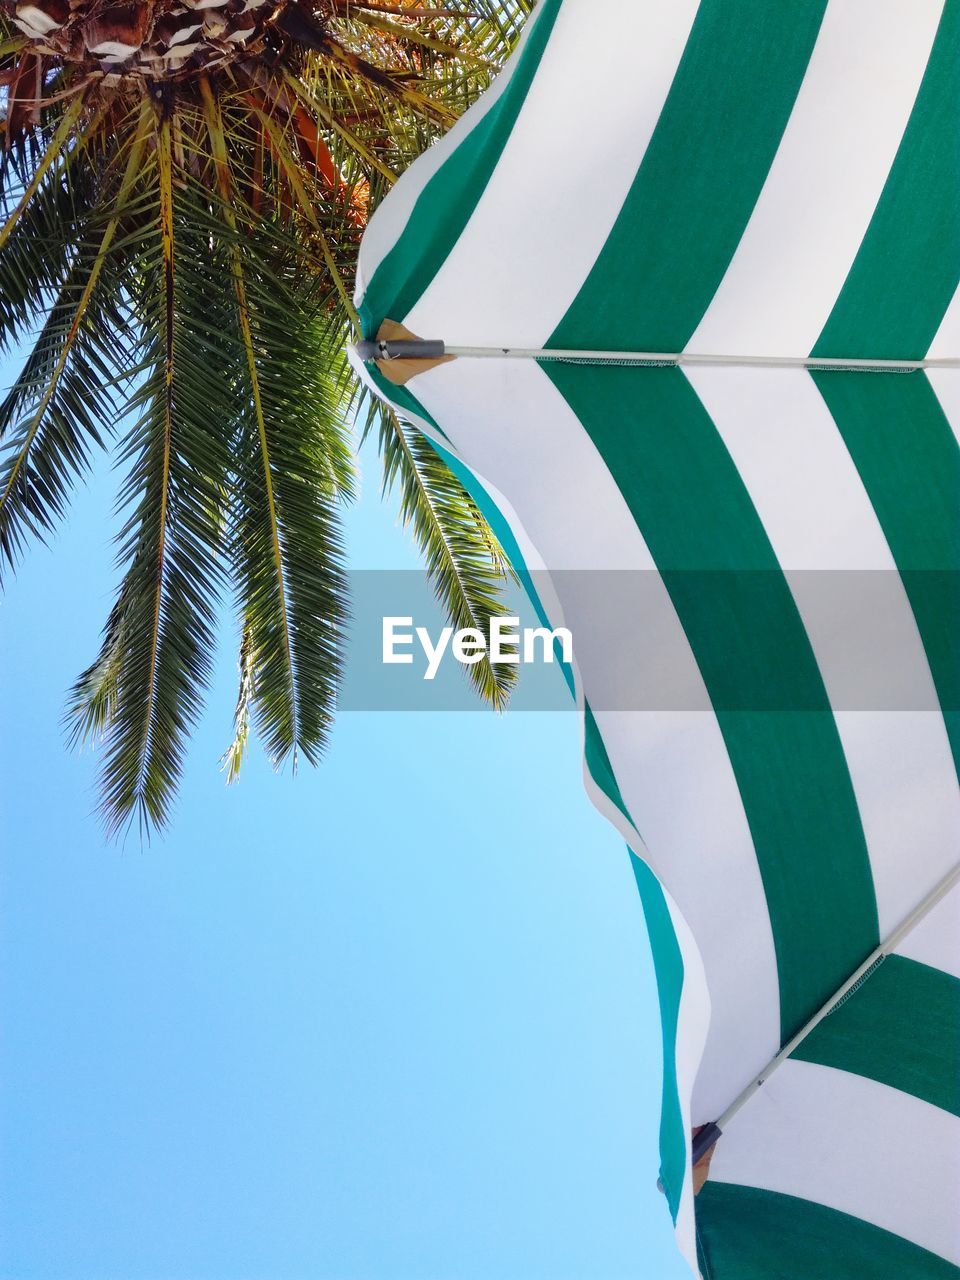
758,565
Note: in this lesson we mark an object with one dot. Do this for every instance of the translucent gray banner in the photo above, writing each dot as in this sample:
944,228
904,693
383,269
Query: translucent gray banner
686,640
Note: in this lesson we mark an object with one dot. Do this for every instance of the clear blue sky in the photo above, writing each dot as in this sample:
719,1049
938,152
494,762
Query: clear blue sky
394,1018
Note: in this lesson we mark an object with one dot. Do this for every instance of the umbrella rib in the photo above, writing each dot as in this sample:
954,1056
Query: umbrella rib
436,348
709,1134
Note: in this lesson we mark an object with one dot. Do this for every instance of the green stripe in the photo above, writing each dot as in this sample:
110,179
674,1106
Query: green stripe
404,401
598,763
699,178
902,1028
694,512
444,206
892,303
668,965
908,460
745,1233
908,265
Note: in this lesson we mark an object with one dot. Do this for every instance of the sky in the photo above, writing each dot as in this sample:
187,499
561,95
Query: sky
393,1018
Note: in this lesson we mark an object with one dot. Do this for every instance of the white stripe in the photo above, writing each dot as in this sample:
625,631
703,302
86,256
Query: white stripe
821,525
514,429
936,939
825,180
946,341
693,1028
516,268
946,387
946,382
391,216
854,1145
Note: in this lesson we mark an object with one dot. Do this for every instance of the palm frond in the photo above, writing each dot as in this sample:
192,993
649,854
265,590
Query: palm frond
52,156
64,384
92,702
155,662
293,464
292,468
463,558
176,247
38,252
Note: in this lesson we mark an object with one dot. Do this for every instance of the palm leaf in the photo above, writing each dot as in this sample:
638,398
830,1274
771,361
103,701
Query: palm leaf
175,253
62,383
463,558
293,464
146,688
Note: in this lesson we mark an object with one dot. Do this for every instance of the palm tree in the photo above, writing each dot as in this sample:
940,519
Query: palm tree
183,184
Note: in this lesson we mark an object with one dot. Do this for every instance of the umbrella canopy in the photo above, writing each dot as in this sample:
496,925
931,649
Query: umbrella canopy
758,562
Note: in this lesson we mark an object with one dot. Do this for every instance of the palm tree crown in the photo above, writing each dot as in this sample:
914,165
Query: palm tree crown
183,184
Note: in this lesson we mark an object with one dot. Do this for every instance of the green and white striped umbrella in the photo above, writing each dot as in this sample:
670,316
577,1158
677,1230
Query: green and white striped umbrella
745,191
